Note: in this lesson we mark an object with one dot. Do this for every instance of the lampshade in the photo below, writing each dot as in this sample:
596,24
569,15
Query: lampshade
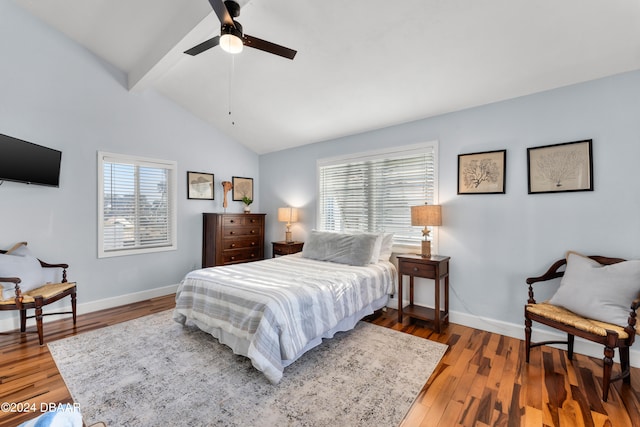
231,38
424,215
287,214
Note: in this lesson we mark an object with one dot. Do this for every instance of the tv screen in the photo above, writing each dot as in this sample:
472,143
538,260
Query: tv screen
23,161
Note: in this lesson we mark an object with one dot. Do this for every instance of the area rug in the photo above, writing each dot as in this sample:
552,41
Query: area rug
153,371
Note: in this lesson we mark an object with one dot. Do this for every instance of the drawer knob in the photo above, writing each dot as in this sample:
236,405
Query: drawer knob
253,231
232,232
253,220
231,221
415,268
253,243
253,255
233,258
233,245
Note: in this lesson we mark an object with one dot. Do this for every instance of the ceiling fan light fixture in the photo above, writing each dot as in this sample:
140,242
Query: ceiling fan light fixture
231,39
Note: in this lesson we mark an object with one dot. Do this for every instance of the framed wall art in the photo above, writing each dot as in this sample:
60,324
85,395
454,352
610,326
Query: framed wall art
200,186
482,173
242,187
560,167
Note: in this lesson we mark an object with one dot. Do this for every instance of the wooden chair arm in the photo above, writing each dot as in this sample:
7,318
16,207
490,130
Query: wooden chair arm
551,273
62,266
15,280
47,265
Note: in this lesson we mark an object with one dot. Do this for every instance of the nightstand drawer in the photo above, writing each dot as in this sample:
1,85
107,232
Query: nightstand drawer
286,248
417,269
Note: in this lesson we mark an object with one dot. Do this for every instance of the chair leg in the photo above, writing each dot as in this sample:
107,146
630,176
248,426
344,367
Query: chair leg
73,306
625,365
607,362
527,336
570,339
38,317
23,320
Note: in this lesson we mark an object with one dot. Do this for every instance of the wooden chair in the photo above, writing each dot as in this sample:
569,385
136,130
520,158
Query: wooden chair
609,335
37,298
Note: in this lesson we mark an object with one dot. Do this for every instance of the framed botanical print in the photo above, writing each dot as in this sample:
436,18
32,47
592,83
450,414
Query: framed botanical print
200,185
482,173
560,167
242,187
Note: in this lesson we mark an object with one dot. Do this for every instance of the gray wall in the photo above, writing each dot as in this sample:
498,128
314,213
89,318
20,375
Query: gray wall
55,93
496,241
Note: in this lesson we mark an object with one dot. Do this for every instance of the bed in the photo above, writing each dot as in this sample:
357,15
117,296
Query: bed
273,311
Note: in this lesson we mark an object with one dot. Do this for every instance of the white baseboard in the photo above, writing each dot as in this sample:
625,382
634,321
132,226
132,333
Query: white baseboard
13,323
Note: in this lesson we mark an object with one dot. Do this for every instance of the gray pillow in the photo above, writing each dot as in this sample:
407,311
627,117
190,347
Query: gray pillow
596,291
352,249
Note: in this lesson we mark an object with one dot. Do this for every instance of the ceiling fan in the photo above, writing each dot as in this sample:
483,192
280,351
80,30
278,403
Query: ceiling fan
231,38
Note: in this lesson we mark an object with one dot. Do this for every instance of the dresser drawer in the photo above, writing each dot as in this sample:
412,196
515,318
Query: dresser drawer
242,243
241,255
241,231
241,220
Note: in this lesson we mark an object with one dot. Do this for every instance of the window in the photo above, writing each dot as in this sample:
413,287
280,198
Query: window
374,191
136,205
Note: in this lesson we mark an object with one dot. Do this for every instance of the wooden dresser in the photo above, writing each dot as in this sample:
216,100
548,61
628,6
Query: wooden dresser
232,238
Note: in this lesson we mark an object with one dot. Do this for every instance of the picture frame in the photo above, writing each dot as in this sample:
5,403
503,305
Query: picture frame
560,168
200,186
242,187
482,172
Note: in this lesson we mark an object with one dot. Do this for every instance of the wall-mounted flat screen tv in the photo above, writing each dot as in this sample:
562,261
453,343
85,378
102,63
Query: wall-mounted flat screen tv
23,161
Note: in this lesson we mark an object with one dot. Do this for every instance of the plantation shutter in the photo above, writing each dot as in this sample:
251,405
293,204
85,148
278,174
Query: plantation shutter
375,193
137,205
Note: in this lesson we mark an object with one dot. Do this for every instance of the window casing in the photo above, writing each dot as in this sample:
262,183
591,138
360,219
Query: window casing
374,191
136,205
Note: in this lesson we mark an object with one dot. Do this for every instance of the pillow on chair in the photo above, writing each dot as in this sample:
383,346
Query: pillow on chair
596,291
20,263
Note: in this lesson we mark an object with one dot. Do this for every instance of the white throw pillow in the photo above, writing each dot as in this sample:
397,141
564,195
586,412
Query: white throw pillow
386,247
23,265
596,291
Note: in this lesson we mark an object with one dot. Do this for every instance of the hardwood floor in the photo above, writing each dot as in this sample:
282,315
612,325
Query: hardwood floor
481,381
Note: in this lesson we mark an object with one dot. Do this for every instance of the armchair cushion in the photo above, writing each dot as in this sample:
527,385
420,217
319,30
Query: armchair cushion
26,267
596,291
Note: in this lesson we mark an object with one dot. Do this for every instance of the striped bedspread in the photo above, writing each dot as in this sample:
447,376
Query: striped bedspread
275,308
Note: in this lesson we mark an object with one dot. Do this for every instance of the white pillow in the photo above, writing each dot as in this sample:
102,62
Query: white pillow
23,265
386,247
596,291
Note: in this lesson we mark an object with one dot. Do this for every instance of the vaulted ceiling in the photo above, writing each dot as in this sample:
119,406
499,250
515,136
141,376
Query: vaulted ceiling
361,64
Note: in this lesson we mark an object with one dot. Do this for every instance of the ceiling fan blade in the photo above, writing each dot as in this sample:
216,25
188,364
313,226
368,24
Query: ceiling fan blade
205,45
266,46
221,10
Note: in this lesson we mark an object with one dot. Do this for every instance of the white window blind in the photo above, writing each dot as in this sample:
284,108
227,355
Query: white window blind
375,192
137,205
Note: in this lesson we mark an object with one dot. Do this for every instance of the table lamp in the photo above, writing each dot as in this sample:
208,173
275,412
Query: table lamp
426,215
288,215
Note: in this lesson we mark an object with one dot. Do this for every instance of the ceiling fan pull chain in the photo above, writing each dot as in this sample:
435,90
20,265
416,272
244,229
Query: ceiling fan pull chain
231,71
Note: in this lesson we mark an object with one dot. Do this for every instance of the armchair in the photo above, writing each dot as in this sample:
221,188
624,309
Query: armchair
35,293
610,291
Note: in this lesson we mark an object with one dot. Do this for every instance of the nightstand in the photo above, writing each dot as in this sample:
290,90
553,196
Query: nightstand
286,248
435,267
